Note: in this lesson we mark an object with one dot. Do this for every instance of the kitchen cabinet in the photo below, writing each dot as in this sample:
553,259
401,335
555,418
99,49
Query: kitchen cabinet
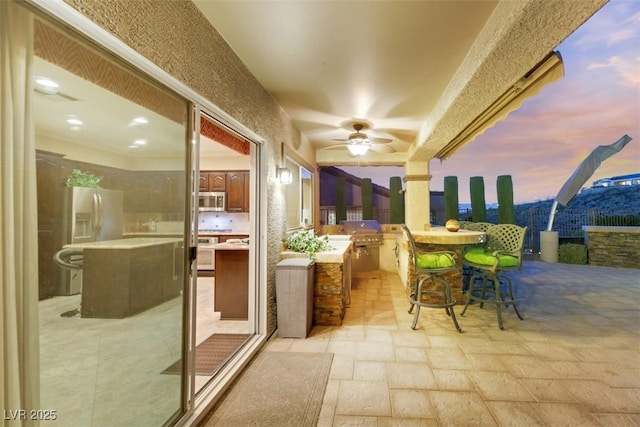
231,291
237,191
212,181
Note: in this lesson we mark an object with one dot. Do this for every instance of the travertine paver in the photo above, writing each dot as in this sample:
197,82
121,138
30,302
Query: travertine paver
572,361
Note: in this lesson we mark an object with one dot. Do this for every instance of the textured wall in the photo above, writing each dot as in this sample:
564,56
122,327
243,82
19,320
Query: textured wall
176,37
614,246
516,35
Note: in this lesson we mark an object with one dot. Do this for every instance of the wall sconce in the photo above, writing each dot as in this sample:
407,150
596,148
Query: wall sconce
285,176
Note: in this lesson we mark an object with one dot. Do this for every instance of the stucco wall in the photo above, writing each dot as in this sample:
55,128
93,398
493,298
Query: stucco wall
175,36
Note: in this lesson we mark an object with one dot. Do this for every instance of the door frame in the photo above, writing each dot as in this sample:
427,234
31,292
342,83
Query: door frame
193,407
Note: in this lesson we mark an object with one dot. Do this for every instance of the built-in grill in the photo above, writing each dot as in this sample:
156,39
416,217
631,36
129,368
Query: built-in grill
367,238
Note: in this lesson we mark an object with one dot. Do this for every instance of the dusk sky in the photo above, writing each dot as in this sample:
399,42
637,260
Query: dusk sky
595,103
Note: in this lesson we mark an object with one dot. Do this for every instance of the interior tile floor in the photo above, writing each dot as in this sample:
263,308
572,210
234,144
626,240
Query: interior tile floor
108,372
574,360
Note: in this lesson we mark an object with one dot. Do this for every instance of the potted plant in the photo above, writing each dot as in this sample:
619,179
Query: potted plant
78,178
307,242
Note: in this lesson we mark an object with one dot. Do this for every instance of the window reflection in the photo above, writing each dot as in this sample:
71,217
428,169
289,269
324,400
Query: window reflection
110,330
299,196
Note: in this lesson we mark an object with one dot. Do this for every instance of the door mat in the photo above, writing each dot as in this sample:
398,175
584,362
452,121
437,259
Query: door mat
276,389
211,353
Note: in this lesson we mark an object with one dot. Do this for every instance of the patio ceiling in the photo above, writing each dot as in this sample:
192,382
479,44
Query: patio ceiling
416,73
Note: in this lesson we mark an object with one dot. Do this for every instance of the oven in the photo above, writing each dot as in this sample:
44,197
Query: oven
206,259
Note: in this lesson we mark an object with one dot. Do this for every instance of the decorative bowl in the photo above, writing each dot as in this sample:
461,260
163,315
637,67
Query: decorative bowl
452,225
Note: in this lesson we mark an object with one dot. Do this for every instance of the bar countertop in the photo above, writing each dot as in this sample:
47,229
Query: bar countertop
441,236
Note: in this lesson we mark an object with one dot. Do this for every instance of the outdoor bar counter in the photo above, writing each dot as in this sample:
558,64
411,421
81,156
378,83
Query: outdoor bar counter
440,239
332,281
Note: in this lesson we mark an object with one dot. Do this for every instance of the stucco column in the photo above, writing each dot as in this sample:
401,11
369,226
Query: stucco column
417,205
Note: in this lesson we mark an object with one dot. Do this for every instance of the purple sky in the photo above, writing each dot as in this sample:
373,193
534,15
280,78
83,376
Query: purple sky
542,143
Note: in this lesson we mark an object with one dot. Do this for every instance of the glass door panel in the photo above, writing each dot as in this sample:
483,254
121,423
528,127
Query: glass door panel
112,194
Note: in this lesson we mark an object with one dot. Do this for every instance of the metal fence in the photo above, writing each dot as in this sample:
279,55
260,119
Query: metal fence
567,222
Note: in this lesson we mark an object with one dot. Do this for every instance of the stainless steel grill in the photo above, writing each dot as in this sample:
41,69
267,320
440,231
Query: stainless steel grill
367,238
366,232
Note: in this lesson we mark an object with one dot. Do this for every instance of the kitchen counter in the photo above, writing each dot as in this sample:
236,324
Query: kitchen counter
336,255
231,291
133,243
124,277
210,233
151,234
230,246
332,280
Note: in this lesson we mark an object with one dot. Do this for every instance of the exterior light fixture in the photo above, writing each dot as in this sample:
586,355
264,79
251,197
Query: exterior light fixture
285,176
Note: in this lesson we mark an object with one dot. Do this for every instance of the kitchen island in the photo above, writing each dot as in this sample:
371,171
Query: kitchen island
231,290
124,277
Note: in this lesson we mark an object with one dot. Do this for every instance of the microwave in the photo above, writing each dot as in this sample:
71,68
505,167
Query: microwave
211,201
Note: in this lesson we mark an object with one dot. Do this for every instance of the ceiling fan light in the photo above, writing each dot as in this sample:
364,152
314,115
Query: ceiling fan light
357,149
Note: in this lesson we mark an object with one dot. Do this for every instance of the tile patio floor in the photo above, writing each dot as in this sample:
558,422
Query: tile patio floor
574,360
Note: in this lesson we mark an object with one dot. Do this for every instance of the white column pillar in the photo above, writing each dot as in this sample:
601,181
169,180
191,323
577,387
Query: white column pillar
417,204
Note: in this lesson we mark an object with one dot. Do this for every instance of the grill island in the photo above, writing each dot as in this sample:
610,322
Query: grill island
366,236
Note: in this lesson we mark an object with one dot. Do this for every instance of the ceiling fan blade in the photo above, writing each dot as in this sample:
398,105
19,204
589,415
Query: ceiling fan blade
382,148
380,140
335,146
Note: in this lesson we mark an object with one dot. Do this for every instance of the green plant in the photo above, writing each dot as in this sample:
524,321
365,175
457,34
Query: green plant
396,201
572,253
341,199
78,178
451,209
506,208
478,204
366,188
306,241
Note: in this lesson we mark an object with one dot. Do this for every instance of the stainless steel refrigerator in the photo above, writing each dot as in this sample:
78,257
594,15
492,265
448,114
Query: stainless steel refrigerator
89,215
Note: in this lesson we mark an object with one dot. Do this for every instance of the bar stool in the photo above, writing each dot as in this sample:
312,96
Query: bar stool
430,267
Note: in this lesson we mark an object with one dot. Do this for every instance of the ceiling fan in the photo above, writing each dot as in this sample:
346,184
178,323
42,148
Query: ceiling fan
358,143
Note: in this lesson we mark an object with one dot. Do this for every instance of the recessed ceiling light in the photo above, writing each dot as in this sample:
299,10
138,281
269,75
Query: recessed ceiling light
73,121
134,146
140,142
140,121
46,82
76,128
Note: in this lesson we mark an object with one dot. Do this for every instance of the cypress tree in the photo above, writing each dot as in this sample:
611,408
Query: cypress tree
341,199
366,189
506,208
478,204
451,197
396,201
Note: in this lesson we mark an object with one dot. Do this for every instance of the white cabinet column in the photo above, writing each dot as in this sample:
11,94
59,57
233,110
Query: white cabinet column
416,198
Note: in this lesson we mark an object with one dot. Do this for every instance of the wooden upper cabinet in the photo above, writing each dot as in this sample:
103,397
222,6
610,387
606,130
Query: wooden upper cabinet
204,181
217,181
236,191
212,181
234,183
